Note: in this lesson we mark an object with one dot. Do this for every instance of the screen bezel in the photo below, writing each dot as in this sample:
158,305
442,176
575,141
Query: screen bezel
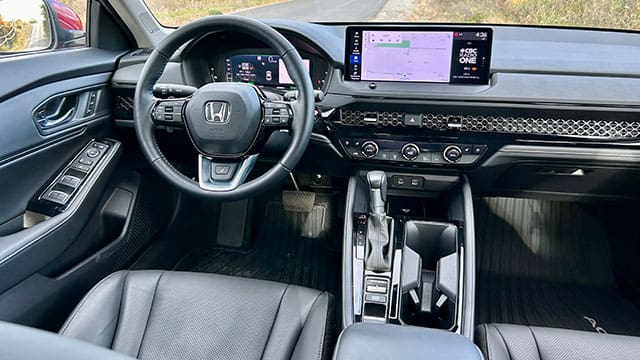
347,50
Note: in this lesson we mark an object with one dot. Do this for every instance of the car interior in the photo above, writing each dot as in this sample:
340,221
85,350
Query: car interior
260,187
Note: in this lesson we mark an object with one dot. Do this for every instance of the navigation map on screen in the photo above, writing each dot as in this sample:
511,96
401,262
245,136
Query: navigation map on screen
406,56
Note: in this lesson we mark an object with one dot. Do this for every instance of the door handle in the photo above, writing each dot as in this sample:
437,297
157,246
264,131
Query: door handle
56,112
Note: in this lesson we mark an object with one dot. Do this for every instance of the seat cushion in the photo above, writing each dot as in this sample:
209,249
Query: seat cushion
180,315
517,342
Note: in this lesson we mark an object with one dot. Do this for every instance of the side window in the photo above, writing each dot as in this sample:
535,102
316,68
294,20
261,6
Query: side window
36,25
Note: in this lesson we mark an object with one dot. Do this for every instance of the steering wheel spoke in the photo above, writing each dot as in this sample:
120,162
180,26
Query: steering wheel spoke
220,176
169,111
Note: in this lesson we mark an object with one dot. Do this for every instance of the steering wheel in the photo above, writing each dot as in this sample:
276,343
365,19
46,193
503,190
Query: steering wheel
227,123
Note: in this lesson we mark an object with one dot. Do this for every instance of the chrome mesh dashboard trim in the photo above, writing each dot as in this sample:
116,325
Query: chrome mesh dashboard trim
602,129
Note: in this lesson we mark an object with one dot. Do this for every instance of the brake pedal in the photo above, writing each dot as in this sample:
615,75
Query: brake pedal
298,201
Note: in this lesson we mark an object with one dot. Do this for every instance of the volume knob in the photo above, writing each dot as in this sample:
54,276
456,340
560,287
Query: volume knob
369,149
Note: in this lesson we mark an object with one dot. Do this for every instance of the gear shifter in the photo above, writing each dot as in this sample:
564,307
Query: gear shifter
377,226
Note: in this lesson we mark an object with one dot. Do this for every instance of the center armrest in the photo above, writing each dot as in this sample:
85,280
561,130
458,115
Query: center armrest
382,341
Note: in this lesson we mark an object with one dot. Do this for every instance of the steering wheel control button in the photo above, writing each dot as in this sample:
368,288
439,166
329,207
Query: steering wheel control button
169,111
369,149
223,172
413,119
93,153
410,151
452,154
276,114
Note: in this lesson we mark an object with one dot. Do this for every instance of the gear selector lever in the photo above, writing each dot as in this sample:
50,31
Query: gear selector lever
377,259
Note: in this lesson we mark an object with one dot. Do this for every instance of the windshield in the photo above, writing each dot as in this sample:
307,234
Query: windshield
614,14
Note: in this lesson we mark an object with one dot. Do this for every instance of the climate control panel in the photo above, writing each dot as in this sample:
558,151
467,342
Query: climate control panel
413,152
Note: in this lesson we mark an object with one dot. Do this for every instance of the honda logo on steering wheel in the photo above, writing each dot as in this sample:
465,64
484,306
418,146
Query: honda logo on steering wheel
217,112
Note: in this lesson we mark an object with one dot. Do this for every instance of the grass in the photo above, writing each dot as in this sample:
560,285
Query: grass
618,14
175,13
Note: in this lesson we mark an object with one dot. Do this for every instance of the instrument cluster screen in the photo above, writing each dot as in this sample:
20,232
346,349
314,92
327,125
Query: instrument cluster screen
266,70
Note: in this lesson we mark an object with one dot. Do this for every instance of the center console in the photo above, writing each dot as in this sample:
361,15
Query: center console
408,255
408,242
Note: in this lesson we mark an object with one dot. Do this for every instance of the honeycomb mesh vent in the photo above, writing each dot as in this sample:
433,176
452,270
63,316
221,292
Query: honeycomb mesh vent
505,124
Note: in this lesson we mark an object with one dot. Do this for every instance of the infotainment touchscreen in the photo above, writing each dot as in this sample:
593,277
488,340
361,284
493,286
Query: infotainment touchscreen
436,55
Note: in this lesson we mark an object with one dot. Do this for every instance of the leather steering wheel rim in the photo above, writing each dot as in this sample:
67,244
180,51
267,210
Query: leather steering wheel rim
300,129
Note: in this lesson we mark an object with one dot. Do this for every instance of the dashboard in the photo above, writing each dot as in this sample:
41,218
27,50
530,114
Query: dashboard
444,98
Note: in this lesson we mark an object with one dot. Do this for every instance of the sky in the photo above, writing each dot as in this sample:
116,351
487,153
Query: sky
26,10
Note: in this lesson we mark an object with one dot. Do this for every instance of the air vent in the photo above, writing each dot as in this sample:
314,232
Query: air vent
504,124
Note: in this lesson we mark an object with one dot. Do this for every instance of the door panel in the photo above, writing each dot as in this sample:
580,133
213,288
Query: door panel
28,158
40,136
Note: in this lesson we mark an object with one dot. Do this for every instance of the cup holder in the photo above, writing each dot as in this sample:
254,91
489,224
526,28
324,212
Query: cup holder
431,268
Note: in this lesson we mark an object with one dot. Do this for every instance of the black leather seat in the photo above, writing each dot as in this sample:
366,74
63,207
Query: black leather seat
178,315
517,342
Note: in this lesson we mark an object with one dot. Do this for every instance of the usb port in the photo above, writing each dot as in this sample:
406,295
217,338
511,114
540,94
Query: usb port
371,117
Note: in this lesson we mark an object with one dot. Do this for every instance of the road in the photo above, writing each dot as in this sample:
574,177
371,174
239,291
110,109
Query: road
319,10
38,38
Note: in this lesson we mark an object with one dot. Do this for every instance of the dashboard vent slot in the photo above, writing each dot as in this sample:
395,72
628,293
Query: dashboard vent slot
505,124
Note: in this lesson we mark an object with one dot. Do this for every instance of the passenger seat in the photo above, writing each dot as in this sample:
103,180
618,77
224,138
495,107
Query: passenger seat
518,342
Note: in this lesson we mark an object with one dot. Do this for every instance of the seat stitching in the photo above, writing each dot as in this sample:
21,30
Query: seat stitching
153,298
124,288
535,341
273,323
506,345
83,302
485,327
324,329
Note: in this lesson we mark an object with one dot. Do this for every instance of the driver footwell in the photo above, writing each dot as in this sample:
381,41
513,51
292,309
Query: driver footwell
287,246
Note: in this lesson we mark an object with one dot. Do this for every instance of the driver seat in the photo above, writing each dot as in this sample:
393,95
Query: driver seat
180,315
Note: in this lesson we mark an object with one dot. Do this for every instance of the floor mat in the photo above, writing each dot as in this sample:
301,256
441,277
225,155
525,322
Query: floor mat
289,247
547,263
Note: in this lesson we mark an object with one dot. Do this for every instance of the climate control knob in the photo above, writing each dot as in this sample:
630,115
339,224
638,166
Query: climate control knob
369,149
410,151
452,154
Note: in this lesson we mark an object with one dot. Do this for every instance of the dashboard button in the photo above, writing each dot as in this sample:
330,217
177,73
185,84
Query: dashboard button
467,149
452,154
410,151
369,149
413,119
424,158
479,149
